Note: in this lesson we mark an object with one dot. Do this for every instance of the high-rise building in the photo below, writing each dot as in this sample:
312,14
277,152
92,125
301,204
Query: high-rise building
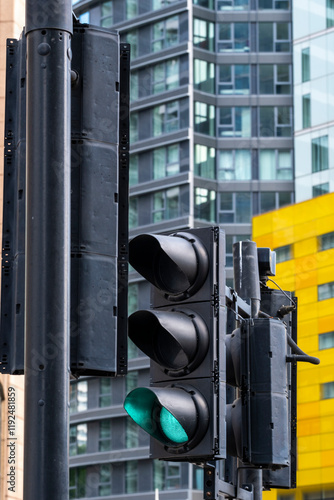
211,142
313,56
303,236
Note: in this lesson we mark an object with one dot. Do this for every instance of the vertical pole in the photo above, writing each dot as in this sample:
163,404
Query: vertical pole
48,162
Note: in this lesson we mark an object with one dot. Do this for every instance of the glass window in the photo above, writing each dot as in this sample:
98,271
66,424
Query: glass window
105,392
133,127
204,76
134,86
320,153
84,18
131,9
165,33
275,164
283,253
306,65
320,189
105,480
204,118
235,207
165,76
133,170
205,161
208,4
133,212
327,390
166,118
132,39
131,381
106,14
234,122
233,37
105,435
78,439
275,122
131,476
132,433
267,201
166,161
326,291
205,204
158,4
166,204
329,13
232,4
233,79
306,107
326,241
326,340
234,165
77,482
173,475
274,4
204,37
275,79
78,396
274,37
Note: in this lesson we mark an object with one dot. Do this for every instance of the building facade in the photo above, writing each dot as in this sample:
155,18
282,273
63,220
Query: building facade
11,387
211,142
303,236
313,56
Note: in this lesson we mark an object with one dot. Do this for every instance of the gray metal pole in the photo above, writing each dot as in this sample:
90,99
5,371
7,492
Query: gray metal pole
48,163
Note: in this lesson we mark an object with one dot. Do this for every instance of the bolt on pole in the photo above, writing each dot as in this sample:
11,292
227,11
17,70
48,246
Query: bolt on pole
48,165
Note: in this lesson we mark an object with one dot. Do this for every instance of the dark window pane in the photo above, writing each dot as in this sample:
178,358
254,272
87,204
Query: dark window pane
266,79
266,40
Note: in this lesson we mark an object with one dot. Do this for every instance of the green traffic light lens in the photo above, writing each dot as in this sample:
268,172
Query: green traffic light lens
172,429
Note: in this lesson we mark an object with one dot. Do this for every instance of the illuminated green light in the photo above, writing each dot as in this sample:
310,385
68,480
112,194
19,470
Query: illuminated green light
172,429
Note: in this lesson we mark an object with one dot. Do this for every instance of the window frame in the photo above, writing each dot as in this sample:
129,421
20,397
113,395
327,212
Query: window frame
233,211
233,82
236,115
232,40
319,153
163,38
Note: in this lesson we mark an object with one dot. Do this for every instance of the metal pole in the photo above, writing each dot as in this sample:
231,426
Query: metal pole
48,163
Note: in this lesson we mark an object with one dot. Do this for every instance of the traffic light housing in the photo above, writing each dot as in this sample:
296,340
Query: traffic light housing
183,334
99,206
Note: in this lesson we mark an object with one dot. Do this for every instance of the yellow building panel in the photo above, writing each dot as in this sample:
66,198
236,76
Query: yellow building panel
326,357
327,458
326,407
304,231
307,295
308,394
325,224
263,225
326,324
307,328
282,237
325,258
309,477
309,460
305,247
326,274
307,312
325,307
307,444
327,425
308,410
309,427
327,442
327,476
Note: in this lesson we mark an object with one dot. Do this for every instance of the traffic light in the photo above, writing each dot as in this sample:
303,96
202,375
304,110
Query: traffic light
99,206
261,356
183,334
